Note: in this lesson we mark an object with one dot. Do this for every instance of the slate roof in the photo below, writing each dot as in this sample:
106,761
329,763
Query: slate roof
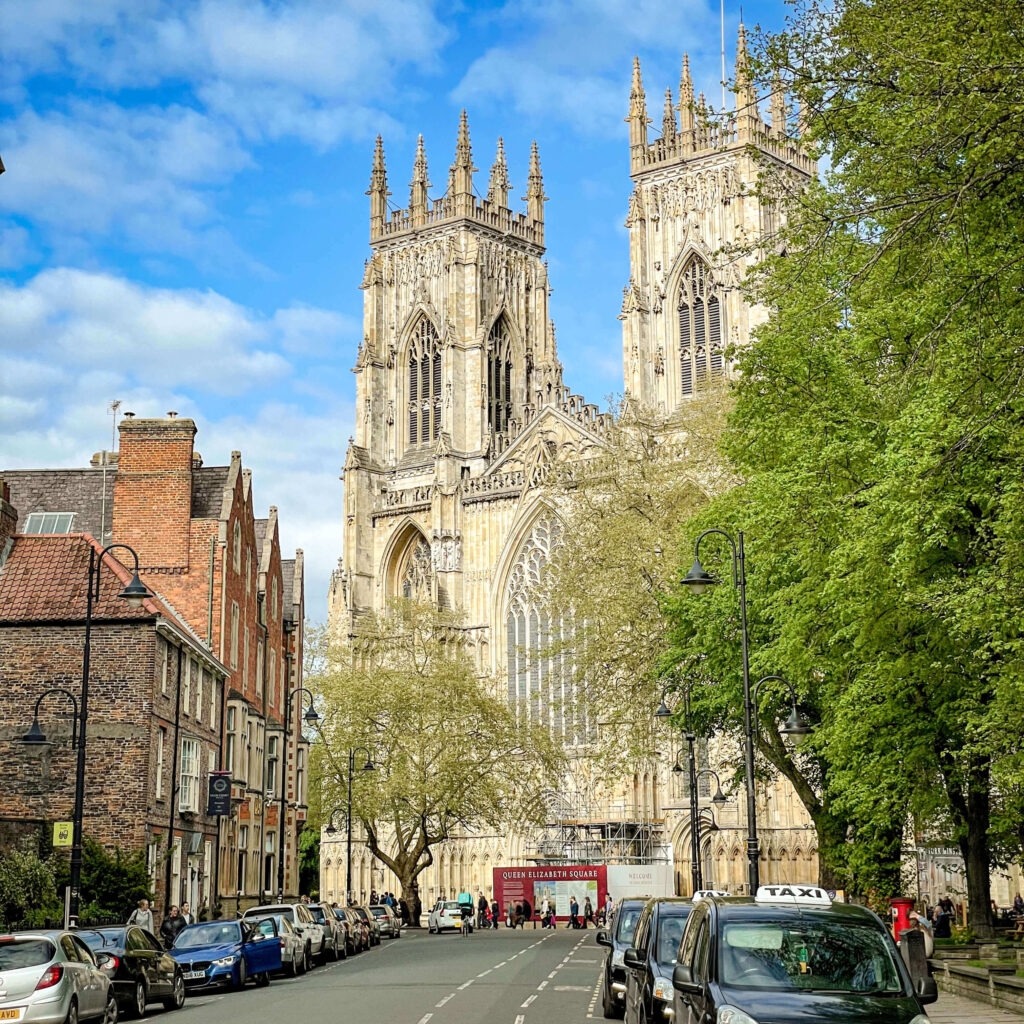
66,490
208,483
260,526
288,586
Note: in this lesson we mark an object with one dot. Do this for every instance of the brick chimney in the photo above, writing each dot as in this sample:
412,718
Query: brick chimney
153,490
8,518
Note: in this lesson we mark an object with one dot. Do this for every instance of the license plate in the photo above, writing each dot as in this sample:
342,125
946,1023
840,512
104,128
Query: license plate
194,975
14,1014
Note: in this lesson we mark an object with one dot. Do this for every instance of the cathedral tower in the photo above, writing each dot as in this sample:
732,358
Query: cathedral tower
457,353
693,206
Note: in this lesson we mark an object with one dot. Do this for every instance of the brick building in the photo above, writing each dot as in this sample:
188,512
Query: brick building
202,548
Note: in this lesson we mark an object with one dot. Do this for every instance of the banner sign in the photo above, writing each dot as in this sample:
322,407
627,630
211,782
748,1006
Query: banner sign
556,884
218,800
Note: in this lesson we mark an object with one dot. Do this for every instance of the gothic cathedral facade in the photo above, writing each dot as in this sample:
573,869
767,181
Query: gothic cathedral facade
460,407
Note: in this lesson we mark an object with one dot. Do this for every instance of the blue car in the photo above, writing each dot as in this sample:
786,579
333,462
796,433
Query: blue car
225,953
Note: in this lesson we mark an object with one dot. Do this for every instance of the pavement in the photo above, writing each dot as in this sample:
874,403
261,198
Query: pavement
490,977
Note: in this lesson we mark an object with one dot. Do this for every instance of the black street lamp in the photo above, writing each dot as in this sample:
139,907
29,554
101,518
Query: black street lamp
698,579
135,592
796,725
311,718
369,766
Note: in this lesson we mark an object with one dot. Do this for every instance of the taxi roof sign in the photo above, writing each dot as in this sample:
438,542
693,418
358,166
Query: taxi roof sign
703,894
809,895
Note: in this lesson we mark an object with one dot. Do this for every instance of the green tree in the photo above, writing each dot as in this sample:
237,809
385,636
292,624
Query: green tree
113,881
878,426
28,889
309,862
450,754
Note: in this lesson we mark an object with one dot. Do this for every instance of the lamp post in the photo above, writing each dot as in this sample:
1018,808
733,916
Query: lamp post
331,830
698,579
311,717
135,592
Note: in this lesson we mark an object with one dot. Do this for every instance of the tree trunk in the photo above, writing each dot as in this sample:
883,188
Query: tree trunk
831,835
975,850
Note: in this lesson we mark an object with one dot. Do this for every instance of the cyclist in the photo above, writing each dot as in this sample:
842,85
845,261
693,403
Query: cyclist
465,902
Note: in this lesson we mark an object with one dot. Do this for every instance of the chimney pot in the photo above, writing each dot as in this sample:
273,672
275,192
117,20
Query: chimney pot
129,416
172,414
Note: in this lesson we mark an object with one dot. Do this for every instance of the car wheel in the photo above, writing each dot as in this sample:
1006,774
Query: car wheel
293,965
72,1017
263,980
240,978
140,1000
177,997
307,959
110,1010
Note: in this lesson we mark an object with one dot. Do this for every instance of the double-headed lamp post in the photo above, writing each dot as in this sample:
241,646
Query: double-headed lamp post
311,718
698,579
134,592
369,766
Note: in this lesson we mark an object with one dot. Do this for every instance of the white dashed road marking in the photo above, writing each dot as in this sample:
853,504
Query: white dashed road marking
425,1018
527,1001
451,995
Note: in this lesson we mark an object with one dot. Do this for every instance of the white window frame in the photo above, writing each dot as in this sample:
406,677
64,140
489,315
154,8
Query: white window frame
161,740
36,522
186,689
234,634
188,775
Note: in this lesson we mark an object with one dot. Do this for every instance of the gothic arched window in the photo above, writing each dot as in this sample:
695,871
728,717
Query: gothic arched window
415,573
424,384
539,668
700,327
499,376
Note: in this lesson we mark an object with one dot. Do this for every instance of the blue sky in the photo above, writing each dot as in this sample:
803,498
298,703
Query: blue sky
183,224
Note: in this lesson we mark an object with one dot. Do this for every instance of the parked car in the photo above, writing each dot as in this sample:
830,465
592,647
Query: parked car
790,955
292,946
226,953
651,958
446,914
371,923
302,921
388,921
140,969
52,977
618,938
357,931
334,931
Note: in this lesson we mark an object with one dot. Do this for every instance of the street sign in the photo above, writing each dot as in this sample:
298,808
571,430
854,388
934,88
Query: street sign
218,799
63,833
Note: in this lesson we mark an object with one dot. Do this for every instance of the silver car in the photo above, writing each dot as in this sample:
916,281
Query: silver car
387,920
311,933
293,961
49,977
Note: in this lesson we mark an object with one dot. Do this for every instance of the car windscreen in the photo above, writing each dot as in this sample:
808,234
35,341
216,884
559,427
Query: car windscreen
25,953
317,913
103,938
378,912
626,922
451,905
671,922
810,954
208,935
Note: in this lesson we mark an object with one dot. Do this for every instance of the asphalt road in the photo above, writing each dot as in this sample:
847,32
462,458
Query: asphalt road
497,977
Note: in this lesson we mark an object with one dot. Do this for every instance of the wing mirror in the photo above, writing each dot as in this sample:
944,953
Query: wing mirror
102,959
602,939
926,991
631,958
682,980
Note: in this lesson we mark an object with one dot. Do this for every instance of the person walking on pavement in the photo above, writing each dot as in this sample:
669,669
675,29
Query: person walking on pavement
588,912
481,911
172,925
143,917
186,913
495,913
528,913
574,913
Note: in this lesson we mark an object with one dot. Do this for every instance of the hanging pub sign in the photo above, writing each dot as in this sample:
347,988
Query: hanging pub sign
218,800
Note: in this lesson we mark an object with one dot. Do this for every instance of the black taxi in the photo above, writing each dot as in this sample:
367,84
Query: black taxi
789,955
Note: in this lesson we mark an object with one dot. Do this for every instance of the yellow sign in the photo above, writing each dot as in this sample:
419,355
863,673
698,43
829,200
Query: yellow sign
63,832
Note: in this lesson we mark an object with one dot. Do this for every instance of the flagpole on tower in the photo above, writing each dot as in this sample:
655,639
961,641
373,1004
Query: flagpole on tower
722,12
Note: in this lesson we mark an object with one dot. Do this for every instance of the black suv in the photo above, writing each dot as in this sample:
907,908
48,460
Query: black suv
651,958
618,938
790,955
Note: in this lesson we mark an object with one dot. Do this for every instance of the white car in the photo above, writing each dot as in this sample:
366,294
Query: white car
446,914
311,933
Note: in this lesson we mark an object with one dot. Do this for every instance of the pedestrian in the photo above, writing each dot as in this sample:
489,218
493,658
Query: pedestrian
588,912
186,913
548,920
940,923
574,913
403,911
920,924
495,913
482,909
143,917
609,906
1018,904
172,925
528,913
373,897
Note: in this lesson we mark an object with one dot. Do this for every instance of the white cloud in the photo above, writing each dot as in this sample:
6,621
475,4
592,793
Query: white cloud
83,339
570,60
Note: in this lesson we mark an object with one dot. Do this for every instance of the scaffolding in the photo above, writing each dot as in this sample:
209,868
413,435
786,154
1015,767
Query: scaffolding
589,841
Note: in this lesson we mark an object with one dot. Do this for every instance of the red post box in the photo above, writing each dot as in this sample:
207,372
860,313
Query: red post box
901,908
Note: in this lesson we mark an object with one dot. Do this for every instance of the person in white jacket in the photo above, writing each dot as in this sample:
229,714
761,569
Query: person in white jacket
143,917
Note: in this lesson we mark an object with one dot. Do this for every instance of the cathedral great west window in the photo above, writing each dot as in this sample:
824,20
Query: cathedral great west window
499,376
415,574
537,641
700,327
424,384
